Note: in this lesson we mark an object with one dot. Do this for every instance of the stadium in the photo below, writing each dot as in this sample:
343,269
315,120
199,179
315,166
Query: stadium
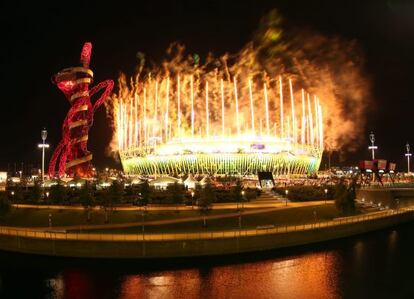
223,157
174,125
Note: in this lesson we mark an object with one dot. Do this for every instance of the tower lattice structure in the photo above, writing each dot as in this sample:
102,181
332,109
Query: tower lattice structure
74,82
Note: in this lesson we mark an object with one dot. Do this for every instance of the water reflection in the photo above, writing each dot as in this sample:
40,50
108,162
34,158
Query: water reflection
393,239
177,284
372,265
359,251
313,274
57,286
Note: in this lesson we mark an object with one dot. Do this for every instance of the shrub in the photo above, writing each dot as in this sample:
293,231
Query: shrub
345,198
306,193
35,193
4,203
113,194
177,193
251,193
58,193
18,194
146,193
86,195
207,197
237,192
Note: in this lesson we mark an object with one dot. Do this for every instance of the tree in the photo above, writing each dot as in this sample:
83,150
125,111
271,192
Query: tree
176,193
86,198
35,193
237,192
197,192
207,197
345,198
146,193
112,195
58,193
116,192
86,195
106,202
17,194
4,203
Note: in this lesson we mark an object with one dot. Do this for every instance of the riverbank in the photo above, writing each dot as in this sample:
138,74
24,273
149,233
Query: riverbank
169,245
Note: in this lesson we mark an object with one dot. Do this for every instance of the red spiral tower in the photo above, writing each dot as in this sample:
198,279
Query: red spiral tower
74,83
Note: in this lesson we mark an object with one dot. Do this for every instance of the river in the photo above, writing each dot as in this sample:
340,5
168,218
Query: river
374,265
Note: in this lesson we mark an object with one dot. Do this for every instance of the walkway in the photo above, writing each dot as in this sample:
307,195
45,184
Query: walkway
173,221
153,207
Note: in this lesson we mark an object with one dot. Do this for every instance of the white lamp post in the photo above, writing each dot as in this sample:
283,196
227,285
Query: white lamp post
192,200
287,193
408,155
240,210
43,145
372,147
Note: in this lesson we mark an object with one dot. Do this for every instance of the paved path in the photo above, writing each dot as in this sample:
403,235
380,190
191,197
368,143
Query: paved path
260,203
153,207
176,220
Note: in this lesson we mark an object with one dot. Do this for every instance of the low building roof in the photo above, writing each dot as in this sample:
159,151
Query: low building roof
205,180
164,180
190,180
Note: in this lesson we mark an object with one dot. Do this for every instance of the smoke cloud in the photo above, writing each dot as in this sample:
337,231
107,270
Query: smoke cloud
329,67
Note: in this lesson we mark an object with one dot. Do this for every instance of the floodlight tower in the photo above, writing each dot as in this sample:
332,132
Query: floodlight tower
43,146
408,155
372,147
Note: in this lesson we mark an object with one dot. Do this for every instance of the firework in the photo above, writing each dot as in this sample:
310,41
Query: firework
207,123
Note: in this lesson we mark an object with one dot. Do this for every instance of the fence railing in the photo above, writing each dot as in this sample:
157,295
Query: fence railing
72,236
389,186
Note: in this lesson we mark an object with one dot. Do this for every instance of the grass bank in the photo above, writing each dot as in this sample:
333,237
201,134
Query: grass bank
40,217
282,217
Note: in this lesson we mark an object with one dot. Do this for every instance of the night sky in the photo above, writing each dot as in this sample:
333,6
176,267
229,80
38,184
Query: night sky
39,40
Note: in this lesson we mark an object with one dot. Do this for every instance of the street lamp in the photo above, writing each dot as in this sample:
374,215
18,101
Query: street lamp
287,193
143,233
242,193
326,194
408,155
315,216
43,145
372,147
192,200
143,223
